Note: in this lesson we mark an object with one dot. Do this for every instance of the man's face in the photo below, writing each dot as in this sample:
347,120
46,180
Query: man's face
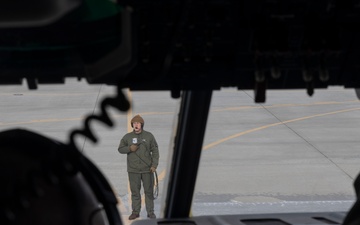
137,127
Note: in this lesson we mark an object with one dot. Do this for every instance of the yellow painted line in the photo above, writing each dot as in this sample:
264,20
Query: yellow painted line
155,113
236,108
281,105
125,211
162,175
42,121
129,129
274,124
25,94
129,200
129,113
54,120
121,206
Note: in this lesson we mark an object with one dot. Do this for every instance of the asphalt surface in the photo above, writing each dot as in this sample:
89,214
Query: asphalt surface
294,153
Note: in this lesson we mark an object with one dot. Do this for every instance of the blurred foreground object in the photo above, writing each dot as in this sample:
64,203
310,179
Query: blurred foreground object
189,45
46,182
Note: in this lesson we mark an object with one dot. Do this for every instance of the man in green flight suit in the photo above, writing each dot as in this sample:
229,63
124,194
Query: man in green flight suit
142,160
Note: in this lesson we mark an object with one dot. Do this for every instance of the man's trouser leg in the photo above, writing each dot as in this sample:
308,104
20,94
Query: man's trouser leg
148,182
135,186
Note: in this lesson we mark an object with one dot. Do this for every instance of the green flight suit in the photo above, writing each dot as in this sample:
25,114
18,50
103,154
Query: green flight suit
138,167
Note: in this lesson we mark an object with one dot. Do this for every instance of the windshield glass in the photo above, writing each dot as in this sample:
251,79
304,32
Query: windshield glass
294,153
55,110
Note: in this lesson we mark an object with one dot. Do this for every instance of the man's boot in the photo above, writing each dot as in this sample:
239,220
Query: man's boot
134,215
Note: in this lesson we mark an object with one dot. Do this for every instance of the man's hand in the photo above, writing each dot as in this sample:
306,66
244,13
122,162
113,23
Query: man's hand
152,169
133,148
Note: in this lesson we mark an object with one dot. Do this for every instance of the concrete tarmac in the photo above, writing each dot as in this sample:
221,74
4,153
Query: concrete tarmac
294,153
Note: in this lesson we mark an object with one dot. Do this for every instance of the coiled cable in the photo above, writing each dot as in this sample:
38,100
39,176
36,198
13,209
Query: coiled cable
119,101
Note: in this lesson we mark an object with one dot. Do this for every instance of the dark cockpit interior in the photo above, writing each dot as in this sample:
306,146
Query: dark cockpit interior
187,47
